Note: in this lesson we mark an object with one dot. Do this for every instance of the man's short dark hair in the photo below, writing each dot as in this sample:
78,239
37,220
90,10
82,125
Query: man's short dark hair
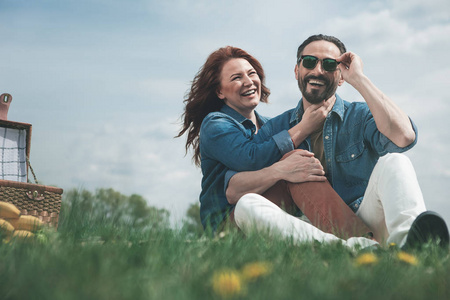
321,37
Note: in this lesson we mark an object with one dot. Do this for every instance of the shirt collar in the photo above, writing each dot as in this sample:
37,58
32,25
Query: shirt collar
338,109
238,117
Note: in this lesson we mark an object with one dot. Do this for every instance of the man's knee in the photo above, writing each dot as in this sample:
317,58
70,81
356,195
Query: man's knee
395,162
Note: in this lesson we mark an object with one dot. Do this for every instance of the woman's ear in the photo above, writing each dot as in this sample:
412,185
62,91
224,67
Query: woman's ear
220,95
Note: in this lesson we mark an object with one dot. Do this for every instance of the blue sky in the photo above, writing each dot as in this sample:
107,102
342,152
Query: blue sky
103,82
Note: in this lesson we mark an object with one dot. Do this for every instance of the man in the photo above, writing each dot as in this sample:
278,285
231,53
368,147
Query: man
353,142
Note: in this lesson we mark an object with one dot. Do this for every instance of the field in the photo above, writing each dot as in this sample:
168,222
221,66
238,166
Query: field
97,256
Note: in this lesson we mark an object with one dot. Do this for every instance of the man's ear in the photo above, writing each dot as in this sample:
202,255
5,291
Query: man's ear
341,80
296,71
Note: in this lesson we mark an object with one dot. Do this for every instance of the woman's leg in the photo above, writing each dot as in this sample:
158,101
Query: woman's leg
253,212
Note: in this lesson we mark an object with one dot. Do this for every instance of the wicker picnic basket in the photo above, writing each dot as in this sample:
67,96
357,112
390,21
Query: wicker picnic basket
41,201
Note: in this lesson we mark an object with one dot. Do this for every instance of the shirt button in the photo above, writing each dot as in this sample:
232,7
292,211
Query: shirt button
353,155
356,205
327,137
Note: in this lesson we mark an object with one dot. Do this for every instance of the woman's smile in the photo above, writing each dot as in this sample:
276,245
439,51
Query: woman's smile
240,86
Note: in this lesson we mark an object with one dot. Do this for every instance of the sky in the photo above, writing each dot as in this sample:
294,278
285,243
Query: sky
103,81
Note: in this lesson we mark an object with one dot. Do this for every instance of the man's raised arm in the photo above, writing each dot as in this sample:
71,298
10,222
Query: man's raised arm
389,118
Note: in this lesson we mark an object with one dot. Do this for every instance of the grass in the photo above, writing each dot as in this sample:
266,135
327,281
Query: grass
100,259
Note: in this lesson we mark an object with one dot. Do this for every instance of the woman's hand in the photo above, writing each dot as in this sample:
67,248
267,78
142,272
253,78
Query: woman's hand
312,120
315,115
299,166
296,166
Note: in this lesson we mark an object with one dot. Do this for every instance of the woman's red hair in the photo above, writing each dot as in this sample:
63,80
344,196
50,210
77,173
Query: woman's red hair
202,97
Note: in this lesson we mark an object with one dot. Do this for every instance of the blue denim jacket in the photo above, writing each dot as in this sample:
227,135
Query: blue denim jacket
352,146
228,142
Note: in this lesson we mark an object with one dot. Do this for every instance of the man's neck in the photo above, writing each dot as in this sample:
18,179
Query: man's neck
307,104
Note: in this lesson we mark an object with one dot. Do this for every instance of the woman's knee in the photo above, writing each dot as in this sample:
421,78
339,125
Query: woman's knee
245,204
252,206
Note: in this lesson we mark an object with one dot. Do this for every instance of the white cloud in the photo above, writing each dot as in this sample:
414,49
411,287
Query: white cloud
104,93
422,12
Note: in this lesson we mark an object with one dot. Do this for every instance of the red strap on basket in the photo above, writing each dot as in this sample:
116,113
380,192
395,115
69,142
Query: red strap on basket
5,101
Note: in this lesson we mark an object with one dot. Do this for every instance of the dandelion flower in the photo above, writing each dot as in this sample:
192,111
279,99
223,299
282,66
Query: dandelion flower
227,283
366,259
254,270
407,258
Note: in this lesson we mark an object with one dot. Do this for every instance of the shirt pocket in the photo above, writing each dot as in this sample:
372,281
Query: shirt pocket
352,166
351,153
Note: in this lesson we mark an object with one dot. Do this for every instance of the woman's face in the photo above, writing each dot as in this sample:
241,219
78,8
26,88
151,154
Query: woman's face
240,86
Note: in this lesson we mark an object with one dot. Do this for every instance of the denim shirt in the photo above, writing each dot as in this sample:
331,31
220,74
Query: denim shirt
352,146
228,142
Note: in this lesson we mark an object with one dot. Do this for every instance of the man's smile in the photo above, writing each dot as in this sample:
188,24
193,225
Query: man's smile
316,82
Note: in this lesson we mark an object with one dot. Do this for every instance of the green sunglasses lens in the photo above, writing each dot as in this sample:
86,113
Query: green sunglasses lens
329,64
309,62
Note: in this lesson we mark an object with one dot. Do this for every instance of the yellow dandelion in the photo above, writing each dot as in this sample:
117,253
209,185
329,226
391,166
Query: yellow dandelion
227,283
392,245
407,258
366,259
254,270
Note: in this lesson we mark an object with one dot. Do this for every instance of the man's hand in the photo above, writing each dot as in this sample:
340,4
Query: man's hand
300,166
351,67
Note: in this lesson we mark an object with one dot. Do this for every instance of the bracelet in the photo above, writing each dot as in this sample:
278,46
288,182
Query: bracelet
293,142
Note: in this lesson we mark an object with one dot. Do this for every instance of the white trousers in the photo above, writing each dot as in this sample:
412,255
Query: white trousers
391,203
392,200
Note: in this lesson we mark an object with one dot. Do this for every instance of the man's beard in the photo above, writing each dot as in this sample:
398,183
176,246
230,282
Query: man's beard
315,96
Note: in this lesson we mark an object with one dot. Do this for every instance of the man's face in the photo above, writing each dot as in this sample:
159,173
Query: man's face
317,84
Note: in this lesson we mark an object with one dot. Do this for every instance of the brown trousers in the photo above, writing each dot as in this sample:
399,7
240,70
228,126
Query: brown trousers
320,204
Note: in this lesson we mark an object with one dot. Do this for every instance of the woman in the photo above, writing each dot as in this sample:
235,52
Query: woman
222,127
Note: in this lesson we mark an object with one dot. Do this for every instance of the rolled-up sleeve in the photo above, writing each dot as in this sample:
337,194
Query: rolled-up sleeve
228,175
283,141
383,144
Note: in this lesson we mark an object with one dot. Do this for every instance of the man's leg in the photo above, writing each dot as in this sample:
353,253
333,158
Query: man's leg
326,210
254,212
392,200
322,206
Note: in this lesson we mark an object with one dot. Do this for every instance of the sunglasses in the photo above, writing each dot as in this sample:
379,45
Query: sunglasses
310,62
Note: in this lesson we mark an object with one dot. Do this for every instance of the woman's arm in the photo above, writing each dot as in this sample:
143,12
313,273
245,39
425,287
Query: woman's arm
300,166
222,139
312,120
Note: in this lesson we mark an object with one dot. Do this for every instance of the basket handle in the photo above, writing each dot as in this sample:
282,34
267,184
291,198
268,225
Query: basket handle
32,172
35,194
